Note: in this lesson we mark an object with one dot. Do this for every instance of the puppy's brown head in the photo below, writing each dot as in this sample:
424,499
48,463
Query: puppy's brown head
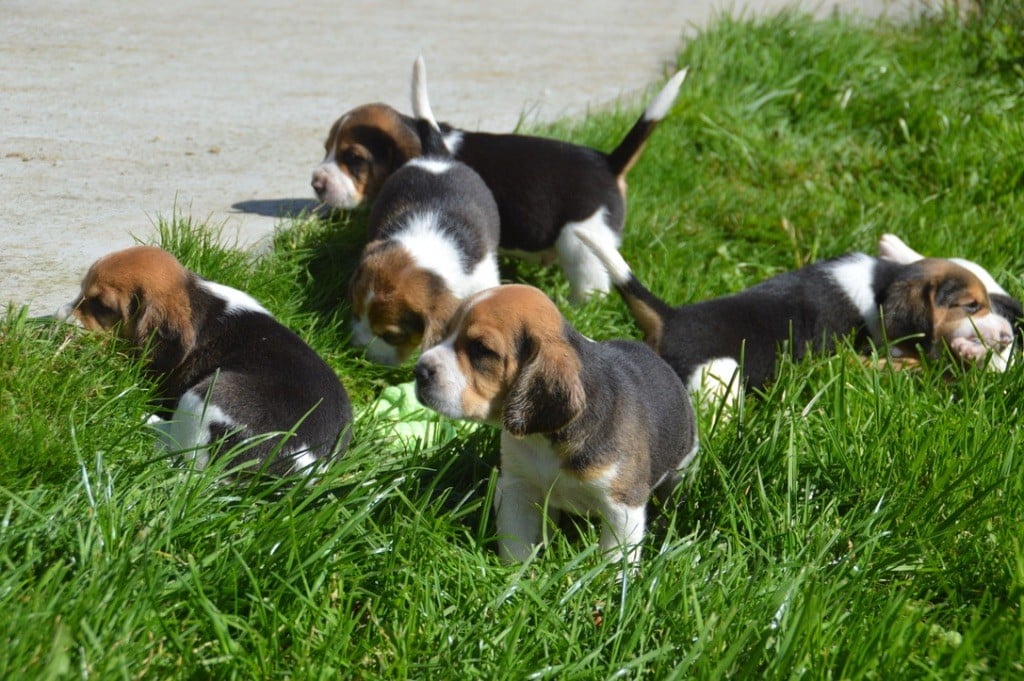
397,306
506,359
363,148
139,293
947,304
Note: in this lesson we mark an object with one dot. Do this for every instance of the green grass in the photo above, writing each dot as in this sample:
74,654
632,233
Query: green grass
850,523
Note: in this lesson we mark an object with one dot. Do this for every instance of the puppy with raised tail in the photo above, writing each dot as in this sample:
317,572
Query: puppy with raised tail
544,187
433,242
587,427
717,346
227,372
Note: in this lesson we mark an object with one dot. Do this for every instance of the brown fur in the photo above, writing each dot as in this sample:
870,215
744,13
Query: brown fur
410,306
528,375
370,143
137,292
941,298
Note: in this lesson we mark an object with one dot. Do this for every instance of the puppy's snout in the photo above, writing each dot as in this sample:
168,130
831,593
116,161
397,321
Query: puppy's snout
319,182
424,373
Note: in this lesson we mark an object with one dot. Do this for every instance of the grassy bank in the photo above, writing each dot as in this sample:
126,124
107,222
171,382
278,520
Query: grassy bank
850,523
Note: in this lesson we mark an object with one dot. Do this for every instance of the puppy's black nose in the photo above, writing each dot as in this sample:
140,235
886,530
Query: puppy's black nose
424,374
318,185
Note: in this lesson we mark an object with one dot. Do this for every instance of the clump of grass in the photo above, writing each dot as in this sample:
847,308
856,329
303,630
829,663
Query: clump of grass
850,522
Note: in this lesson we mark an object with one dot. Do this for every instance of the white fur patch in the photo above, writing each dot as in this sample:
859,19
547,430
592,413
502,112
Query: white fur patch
662,102
444,394
716,379
437,166
432,250
236,301
453,140
339,189
854,276
584,270
603,243
188,431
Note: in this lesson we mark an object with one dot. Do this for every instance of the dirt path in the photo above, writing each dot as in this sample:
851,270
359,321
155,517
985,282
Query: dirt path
114,114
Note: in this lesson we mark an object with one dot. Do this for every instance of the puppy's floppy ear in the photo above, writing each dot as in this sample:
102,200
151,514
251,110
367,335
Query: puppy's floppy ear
166,323
547,394
908,310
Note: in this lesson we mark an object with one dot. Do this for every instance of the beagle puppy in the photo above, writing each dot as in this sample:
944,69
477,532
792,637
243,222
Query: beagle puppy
586,426
433,242
542,186
891,247
227,373
363,148
917,309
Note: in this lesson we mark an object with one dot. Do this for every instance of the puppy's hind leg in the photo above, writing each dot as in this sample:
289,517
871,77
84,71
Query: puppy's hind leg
585,272
893,248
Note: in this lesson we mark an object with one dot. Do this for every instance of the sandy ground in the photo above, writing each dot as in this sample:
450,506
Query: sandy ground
116,114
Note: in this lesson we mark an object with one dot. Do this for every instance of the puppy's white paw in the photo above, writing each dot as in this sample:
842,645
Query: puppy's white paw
970,349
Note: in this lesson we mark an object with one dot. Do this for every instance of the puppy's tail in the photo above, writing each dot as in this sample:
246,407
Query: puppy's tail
622,158
648,310
426,125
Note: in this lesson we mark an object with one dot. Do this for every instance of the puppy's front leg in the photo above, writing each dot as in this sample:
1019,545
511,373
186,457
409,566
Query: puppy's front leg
622,532
519,518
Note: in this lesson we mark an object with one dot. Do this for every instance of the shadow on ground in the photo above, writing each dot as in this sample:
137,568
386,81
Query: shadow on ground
277,208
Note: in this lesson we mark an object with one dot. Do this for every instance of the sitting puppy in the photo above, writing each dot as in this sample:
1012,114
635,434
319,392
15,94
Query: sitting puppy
917,308
586,426
891,247
433,242
542,186
224,367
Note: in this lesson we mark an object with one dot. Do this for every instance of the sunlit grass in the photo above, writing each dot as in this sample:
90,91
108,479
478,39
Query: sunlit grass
851,522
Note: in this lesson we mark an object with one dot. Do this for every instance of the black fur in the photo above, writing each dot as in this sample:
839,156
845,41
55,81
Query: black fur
541,184
467,208
264,377
625,382
801,311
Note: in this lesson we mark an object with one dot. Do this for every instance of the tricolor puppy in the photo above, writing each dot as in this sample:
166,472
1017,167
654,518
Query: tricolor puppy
433,242
891,247
544,186
917,309
363,148
586,427
226,370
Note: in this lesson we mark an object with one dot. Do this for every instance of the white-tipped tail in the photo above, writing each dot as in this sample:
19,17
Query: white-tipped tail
420,101
602,244
661,104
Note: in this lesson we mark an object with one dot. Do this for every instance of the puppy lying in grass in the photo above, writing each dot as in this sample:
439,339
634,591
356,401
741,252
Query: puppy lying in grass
718,346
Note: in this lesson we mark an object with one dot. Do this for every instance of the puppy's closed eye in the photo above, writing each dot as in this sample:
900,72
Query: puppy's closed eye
478,352
353,161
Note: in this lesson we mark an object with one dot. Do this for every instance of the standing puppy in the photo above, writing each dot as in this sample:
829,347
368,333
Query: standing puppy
225,368
544,187
586,426
918,309
433,242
